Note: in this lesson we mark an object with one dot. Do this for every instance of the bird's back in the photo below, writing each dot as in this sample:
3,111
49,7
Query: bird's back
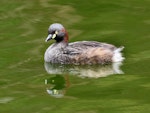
89,52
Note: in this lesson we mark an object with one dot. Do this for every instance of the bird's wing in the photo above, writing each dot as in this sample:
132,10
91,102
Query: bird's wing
89,44
79,47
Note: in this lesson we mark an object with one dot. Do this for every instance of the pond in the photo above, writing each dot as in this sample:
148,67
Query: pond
28,85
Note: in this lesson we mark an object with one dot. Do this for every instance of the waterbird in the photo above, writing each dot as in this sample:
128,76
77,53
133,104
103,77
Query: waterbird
80,52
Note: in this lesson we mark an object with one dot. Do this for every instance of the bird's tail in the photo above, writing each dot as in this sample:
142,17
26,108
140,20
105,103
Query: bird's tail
117,57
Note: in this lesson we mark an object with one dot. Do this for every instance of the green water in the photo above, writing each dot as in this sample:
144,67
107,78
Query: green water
23,29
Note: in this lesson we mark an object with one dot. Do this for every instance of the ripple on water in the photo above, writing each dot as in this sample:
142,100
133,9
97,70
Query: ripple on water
6,100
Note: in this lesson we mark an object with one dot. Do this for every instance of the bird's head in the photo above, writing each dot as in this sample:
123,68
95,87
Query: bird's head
57,32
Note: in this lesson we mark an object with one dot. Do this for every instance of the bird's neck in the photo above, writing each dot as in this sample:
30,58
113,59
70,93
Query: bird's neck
64,39
61,44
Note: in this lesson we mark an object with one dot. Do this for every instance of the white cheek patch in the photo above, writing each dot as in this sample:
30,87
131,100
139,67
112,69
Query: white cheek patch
54,35
56,32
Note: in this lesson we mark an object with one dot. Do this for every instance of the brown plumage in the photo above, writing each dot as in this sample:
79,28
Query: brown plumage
81,52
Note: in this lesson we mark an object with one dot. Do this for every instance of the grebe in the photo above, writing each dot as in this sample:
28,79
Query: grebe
80,52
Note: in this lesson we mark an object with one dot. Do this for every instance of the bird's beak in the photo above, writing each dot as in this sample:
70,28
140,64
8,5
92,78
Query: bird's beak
50,36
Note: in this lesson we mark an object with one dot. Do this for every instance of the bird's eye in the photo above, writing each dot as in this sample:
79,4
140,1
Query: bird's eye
53,32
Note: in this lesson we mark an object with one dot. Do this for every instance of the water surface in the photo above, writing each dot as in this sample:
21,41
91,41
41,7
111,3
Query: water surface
24,82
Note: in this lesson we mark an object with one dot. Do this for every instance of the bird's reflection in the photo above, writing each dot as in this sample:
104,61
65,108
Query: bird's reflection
58,84
92,71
